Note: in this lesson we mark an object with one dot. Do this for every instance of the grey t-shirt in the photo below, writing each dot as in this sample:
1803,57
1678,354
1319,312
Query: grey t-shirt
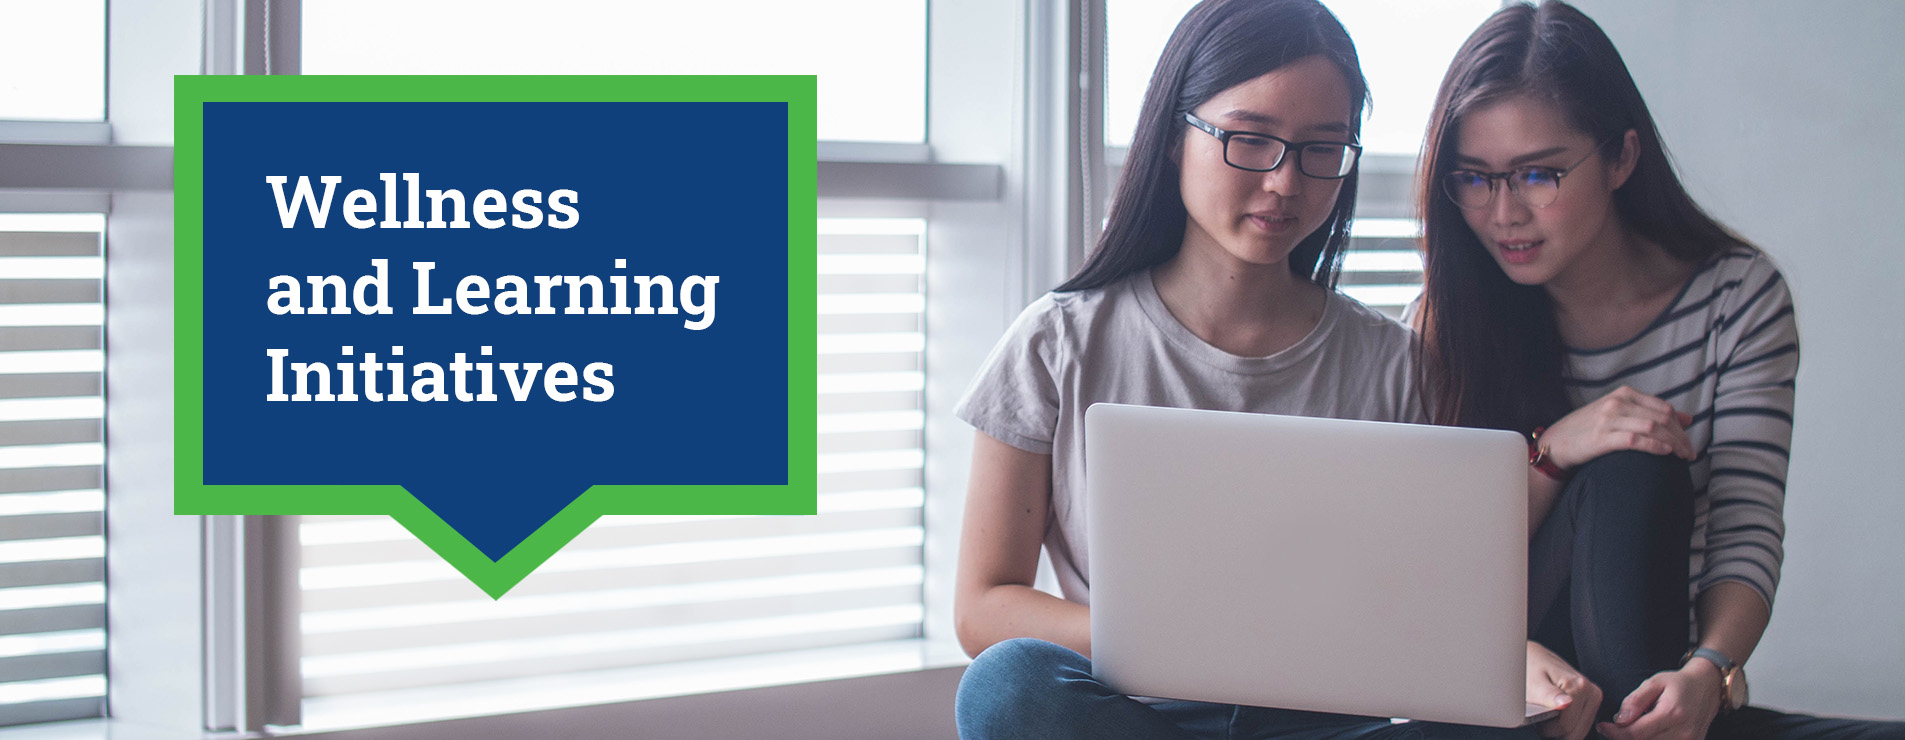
1120,344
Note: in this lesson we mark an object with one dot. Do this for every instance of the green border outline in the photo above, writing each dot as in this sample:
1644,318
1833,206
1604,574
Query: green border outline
192,496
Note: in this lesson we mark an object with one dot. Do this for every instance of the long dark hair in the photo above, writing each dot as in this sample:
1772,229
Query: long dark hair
1491,354
1219,45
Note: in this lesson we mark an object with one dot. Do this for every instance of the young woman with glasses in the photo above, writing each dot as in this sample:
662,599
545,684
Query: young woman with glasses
1576,294
1212,287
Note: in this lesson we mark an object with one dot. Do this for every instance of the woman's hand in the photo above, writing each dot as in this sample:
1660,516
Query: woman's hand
1625,419
1672,705
1554,683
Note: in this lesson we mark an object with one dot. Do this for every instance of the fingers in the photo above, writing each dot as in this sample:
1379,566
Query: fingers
1650,713
1649,435
1664,427
1552,729
1640,702
1652,407
1628,394
1553,683
1670,423
1624,419
1638,435
1584,701
1577,721
1657,722
1672,420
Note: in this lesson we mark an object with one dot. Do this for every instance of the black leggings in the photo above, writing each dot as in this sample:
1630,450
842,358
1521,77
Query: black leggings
1607,571
1607,591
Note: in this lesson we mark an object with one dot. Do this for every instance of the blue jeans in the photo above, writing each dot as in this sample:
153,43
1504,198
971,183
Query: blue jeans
1027,688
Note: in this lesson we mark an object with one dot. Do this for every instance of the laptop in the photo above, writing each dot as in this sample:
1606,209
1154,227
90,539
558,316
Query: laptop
1326,565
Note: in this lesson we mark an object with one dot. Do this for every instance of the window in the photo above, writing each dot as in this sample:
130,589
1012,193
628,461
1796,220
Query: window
382,613
53,61
870,55
52,549
384,622
1404,48
731,588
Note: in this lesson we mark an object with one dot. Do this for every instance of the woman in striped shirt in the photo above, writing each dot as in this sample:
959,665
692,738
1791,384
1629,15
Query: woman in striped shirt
1575,293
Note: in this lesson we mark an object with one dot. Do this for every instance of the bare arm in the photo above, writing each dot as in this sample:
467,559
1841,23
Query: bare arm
1542,492
1733,617
1006,504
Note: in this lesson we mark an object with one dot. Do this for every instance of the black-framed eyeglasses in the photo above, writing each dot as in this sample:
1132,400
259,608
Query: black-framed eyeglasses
1537,187
1247,150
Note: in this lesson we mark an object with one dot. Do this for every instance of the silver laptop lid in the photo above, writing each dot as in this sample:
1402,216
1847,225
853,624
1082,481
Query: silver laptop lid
1319,564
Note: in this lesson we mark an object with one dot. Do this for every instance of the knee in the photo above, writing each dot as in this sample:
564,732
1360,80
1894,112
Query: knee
1021,664
1017,683
1635,465
1629,478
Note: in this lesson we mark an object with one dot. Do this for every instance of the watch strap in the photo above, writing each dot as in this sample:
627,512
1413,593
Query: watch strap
1717,658
1538,456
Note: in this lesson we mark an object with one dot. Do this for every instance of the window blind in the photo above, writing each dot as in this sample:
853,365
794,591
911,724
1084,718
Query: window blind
52,545
1382,267
381,612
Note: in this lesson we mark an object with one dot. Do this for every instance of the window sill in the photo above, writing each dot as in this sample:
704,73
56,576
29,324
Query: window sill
328,714
900,688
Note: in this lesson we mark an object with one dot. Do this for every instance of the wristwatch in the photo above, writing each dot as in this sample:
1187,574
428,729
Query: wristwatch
1732,677
1539,459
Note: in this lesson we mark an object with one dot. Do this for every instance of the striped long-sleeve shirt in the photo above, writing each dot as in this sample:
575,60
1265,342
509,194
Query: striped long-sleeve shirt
1725,351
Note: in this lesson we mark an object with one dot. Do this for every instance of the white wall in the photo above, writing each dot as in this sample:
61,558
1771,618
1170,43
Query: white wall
1785,120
